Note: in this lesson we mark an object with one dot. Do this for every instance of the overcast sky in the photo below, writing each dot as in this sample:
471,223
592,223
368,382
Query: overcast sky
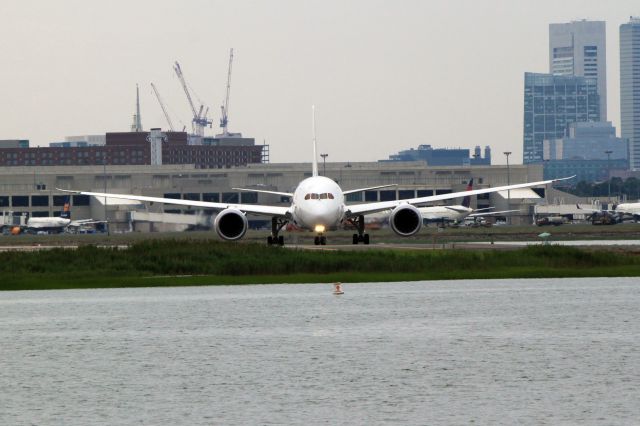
384,75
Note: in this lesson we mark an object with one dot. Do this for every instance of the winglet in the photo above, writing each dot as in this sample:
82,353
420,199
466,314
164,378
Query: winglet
314,164
565,178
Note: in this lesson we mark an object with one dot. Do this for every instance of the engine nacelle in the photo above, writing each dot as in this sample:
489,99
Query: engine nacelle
231,224
405,220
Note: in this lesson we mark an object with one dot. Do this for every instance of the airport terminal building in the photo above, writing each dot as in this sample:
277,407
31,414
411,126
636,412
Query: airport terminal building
32,191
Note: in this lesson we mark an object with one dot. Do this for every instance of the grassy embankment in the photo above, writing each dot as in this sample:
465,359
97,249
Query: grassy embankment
197,262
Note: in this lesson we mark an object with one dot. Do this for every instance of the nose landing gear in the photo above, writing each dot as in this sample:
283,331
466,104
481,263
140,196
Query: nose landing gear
320,240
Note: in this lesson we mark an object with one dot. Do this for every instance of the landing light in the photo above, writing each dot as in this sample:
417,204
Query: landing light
319,229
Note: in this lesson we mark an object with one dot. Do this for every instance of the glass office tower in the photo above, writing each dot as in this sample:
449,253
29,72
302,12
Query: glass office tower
579,48
551,102
630,88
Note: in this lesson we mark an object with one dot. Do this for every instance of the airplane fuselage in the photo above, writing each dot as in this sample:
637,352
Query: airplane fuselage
628,208
318,204
47,222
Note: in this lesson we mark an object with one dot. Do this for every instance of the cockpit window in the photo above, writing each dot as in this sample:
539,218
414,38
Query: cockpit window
326,195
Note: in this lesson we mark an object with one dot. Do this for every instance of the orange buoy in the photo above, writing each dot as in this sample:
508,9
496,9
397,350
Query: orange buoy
337,288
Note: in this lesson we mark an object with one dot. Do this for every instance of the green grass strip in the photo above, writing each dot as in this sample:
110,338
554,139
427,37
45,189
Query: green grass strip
200,262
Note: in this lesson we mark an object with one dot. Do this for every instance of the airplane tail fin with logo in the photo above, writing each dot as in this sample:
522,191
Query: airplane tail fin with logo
466,201
66,210
314,165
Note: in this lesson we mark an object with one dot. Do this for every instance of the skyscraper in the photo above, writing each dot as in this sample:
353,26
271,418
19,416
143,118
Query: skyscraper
551,102
579,48
630,88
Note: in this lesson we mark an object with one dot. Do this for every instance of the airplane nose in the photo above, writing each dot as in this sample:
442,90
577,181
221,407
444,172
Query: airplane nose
323,215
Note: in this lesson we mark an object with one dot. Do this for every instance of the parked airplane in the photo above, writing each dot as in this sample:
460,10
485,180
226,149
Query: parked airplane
457,213
617,214
628,210
55,224
318,205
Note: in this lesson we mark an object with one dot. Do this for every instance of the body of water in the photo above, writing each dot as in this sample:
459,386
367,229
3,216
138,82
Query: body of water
551,351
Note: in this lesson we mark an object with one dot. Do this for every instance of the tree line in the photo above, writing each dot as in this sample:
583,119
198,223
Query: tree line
629,188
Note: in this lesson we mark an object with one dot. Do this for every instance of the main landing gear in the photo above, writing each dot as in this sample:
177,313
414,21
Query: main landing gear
320,240
276,226
360,237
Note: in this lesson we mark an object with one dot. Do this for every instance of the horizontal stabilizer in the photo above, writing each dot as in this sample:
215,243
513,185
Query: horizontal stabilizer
457,209
492,213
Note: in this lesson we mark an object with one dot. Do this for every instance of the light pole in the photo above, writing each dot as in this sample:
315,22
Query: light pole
104,177
508,153
324,163
608,152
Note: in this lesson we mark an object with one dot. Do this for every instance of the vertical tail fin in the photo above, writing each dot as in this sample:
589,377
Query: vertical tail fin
66,210
314,164
466,201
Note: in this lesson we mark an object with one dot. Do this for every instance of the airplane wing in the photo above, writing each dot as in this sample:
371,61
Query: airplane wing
352,191
366,208
264,191
246,208
491,213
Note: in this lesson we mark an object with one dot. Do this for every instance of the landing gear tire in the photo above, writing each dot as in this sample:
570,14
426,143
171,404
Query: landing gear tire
276,226
316,241
323,241
360,237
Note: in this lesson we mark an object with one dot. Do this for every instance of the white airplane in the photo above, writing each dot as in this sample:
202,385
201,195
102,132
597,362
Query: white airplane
445,214
318,205
618,212
628,209
55,224
457,213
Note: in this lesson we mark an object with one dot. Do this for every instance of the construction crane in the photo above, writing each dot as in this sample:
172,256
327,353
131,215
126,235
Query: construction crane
224,119
166,114
199,120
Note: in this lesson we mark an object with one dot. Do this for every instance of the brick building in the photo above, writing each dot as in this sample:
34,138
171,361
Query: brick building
133,148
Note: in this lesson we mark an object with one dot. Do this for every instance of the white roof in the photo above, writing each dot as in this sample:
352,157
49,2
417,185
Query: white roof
519,193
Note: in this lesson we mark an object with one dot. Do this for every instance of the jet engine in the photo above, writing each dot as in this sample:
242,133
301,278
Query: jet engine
405,220
231,224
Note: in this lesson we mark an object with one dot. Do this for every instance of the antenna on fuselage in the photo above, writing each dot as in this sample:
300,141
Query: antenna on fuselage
314,164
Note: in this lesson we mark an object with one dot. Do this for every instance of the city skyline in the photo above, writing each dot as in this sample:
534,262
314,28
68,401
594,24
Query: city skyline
384,76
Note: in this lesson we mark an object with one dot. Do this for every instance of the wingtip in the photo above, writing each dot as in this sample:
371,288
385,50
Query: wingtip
564,178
